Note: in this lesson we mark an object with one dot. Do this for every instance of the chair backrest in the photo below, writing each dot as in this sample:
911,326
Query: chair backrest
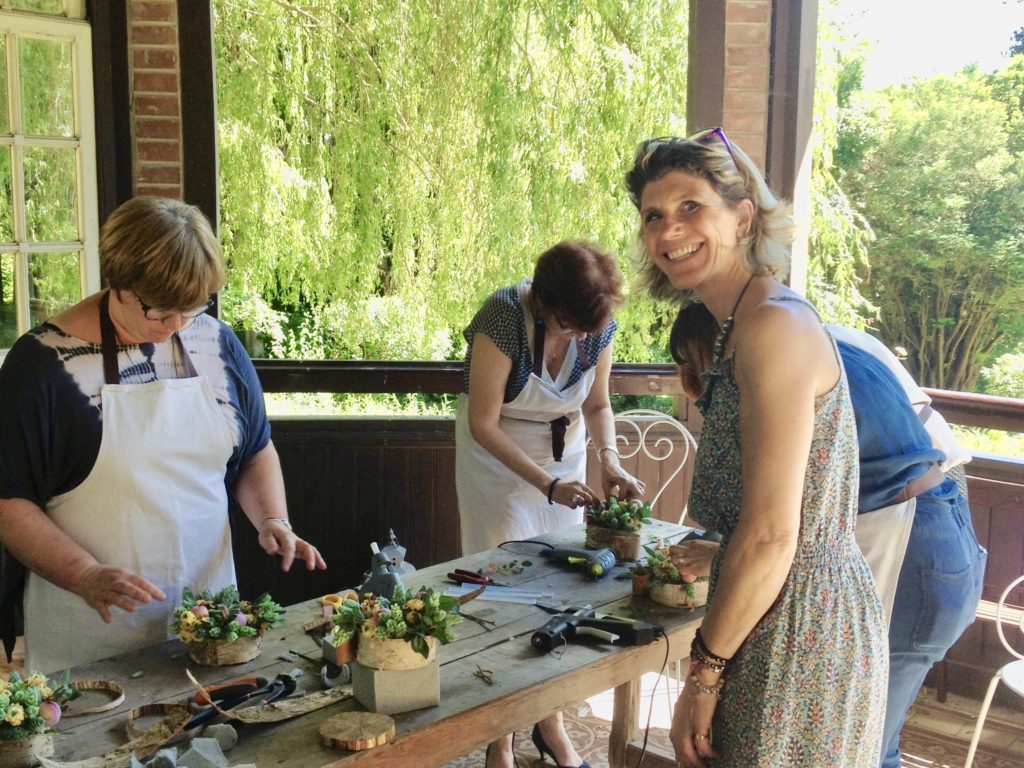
1011,615
662,447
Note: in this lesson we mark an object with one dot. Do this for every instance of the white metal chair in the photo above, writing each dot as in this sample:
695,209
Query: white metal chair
1012,673
654,433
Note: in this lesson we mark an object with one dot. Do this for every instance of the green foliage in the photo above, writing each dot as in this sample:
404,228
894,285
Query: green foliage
408,615
1005,376
385,166
626,516
223,616
935,169
24,700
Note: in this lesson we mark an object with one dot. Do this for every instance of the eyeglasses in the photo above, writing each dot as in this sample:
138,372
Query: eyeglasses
701,137
162,316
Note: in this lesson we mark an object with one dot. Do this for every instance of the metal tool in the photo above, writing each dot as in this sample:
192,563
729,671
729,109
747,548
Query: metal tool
462,576
230,690
280,687
383,576
581,622
596,562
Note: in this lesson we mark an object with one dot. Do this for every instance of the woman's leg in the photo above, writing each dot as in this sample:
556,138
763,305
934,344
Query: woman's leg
552,729
499,753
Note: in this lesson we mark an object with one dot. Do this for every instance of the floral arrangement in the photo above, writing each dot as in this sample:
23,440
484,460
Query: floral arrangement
626,516
30,705
662,569
408,615
223,616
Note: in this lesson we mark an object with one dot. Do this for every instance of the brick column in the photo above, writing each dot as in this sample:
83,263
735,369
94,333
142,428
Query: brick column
748,37
156,97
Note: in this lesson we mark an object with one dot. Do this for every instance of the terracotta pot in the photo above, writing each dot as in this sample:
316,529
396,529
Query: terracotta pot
218,653
392,654
625,545
640,582
339,654
22,753
677,596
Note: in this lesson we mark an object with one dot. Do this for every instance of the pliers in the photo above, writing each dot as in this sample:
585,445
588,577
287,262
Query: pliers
462,576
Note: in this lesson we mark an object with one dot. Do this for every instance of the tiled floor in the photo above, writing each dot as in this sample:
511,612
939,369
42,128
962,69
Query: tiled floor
935,735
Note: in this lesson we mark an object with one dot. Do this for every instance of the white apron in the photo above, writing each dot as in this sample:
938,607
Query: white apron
154,503
495,504
882,535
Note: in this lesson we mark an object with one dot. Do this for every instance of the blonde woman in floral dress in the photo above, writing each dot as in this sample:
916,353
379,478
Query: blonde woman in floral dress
789,667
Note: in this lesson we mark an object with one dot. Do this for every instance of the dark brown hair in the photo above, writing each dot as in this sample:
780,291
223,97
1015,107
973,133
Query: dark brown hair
579,283
691,343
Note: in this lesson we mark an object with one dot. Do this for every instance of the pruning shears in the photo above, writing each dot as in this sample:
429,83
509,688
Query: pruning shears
281,686
463,576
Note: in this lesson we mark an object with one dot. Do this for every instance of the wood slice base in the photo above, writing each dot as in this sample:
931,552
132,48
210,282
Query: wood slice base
356,731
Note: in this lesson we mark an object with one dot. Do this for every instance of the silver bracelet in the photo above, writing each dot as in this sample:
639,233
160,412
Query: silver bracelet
282,520
710,690
604,448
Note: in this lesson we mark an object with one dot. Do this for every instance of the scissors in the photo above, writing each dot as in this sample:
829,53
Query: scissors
462,576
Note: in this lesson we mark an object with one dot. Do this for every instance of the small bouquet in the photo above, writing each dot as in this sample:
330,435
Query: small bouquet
625,516
29,705
223,616
669,586
410,616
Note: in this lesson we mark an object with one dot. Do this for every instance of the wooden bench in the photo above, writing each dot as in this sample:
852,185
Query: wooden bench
986,612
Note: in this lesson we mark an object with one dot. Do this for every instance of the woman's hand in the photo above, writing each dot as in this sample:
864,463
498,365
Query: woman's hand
573,493
619,483
107,586
694,557
278,539
691,724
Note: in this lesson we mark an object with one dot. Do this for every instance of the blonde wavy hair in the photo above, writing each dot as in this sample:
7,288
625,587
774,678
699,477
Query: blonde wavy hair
733,175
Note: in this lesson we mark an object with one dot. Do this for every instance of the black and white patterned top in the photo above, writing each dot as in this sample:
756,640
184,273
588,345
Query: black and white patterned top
501,319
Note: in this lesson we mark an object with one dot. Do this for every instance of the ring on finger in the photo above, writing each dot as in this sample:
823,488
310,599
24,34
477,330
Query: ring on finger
700,737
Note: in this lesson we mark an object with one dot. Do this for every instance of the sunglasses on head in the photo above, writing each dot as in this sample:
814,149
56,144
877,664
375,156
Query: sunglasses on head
701,137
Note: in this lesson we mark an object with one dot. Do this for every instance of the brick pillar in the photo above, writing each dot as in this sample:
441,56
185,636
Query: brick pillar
156,97
748,37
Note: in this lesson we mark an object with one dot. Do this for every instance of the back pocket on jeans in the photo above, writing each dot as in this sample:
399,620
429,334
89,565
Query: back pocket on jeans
948,605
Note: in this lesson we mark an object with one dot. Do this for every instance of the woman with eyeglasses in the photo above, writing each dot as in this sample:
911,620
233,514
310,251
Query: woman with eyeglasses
536,383
789,666
127,420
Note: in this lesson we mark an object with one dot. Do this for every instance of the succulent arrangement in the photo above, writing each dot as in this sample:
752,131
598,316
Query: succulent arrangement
29,705
625,516
661,568
223,616
407,615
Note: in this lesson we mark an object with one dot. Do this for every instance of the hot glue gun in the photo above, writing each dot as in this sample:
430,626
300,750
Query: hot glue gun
596,562
565,627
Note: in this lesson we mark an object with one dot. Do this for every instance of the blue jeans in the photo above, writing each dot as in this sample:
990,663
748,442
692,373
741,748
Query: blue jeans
936,599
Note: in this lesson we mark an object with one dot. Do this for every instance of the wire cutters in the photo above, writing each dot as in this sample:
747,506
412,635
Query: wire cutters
462,576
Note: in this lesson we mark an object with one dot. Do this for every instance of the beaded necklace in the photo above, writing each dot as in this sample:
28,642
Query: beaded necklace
723,333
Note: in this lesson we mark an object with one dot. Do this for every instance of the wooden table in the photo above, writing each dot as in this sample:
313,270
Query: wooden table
527,685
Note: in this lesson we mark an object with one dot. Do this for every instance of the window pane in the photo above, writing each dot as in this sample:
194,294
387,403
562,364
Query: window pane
5,119
40,6
47,83
51,201
53,284
8,318
6,222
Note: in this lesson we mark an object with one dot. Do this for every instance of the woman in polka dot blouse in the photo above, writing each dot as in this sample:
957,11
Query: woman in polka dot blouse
536,383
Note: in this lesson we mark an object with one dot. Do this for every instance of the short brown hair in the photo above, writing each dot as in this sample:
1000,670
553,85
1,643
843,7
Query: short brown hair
163,250
579,283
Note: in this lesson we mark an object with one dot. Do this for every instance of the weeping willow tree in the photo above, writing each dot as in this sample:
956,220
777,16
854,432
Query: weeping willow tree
385,165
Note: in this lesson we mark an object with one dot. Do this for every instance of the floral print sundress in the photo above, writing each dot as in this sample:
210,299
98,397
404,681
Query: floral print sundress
808,685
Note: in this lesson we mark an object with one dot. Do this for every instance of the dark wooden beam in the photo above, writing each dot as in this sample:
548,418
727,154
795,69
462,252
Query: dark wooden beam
705,66
112,103
198,108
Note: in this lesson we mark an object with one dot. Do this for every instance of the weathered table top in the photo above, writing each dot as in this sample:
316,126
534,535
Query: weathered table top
527,685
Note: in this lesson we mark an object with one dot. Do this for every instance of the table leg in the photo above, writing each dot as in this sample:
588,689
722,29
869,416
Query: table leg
625,722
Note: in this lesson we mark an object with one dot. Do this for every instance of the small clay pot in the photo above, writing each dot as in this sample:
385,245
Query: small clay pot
22,753
218,653
339,654
640,582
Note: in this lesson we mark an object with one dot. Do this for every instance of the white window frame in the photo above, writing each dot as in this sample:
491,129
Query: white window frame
79,34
